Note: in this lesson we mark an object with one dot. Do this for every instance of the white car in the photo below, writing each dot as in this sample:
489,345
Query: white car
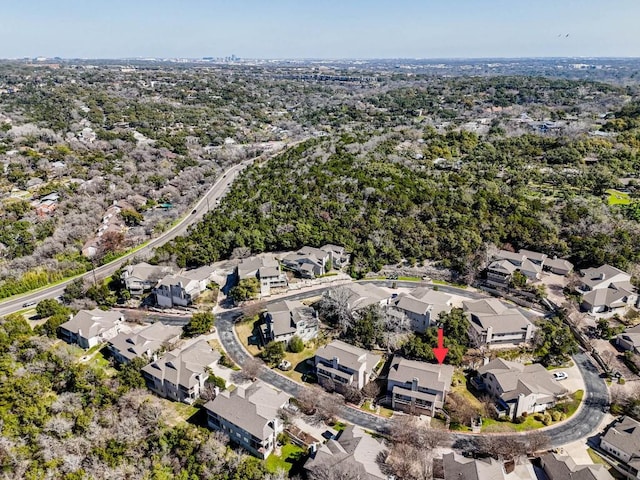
285,365
560,375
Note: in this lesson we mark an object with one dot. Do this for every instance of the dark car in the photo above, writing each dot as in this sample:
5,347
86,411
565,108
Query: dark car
28,304
195,210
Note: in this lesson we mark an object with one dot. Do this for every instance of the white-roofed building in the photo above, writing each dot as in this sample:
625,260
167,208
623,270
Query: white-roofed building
88,328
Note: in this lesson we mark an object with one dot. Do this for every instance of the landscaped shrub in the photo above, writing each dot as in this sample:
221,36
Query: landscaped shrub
546,420
539,417
520,419
556,416
296,345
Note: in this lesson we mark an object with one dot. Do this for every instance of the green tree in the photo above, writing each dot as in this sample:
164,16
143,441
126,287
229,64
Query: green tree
554,342
102,295
199,324
73,291
131,217
296,345
130,374
247,289
49,307
518,280
367,329
273,353
50,327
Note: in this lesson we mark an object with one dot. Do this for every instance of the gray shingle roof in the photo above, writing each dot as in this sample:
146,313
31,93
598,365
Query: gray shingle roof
348,355
457,467
353,448
593,277
624,434
515,378
493,313
182,365
436,377
558,467
149,339
250,408
90,323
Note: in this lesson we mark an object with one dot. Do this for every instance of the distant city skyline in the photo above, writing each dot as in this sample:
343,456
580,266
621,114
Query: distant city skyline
325,30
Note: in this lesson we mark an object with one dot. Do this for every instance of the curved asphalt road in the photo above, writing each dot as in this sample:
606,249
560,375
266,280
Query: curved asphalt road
206,203
583,423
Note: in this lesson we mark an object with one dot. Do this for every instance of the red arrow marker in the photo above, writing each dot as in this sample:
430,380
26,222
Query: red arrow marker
441,351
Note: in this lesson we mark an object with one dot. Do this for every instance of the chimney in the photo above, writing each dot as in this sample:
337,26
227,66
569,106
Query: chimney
414,384
601,276
335,362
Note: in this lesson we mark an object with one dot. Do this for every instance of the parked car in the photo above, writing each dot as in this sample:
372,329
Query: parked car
285,365
560,375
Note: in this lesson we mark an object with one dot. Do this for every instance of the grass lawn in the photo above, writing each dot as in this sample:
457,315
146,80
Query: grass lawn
597,459
617,198
178,412
247,336
568,407
298,360
442,282
384,412
290,454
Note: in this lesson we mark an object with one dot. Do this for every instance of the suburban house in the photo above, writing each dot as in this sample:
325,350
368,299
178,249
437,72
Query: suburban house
112,222
418,385
249,416
421,306
519,388
203,275
559,266
181,374
346,364
339,258
88,328
454,466
559,467
287,318
499,273
493,324
46,205
176,290
361,295
353,451
529,263
308,262
142,277
629,339
266,269
144,343
606,288
622,441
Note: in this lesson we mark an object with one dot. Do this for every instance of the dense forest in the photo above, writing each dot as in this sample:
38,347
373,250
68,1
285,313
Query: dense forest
65,419
418,194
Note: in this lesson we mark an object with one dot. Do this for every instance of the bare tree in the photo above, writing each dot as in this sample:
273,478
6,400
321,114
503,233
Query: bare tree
252,309
339,471
250,369
503,447
308,399
537,441
329,407
334,308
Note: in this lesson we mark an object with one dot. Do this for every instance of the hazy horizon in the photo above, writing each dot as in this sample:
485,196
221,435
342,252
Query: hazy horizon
285,29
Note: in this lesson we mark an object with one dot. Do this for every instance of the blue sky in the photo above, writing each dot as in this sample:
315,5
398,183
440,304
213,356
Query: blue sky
319,28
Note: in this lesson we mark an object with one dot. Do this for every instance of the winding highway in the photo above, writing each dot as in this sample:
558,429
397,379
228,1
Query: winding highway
583,423
206,203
